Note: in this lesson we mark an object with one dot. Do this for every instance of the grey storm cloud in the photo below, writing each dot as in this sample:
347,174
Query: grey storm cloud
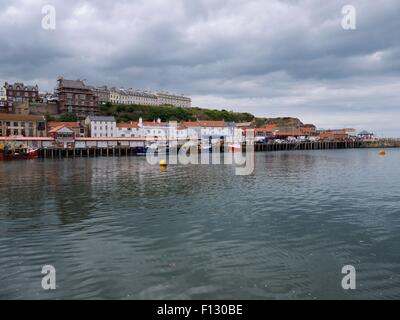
271,58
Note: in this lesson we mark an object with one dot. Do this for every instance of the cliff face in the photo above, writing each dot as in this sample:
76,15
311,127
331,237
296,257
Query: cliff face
280,122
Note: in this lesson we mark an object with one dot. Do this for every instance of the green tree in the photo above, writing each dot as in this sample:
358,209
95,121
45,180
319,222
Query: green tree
68,117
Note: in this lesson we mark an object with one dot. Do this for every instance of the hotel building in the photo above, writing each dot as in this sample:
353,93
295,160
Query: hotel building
22,125
165,98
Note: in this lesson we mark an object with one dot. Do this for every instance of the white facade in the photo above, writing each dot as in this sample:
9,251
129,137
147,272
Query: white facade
3,93
106,127
215,131
115,96
206,129
102,127
129,130
175,100
155,129
132,97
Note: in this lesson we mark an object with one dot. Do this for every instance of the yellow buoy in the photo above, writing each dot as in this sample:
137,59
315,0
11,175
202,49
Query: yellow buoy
163,163
382,152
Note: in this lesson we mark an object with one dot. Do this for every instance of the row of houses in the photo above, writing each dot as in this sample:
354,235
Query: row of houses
107,127
310,132
132,97
75,96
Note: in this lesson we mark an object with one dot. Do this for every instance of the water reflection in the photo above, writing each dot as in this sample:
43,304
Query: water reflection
120,228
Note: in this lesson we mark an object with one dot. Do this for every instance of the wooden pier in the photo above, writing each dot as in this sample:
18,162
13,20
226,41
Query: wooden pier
49,148
125,151
58,153
320,145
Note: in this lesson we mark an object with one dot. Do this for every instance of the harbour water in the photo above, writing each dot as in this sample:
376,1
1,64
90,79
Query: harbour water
119,228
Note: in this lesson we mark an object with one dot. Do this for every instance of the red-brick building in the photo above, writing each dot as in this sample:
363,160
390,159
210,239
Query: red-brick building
19,93
75,97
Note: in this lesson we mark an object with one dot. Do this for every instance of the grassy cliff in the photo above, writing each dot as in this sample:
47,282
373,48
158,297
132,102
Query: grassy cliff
125,113
170,113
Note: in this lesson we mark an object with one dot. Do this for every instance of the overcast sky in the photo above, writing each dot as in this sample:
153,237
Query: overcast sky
268,57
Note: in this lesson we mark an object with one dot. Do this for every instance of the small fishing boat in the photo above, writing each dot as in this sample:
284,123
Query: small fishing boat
22,152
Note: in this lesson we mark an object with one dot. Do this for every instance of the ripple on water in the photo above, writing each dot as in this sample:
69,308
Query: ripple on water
120,228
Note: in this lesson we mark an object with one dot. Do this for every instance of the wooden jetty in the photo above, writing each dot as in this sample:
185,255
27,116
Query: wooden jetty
49,148
318,145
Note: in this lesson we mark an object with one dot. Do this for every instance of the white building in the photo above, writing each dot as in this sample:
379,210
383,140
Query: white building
154,129
129,130
207,129
165,98
3,93
3,99
115,96
138,97
144,98
101,126
131,97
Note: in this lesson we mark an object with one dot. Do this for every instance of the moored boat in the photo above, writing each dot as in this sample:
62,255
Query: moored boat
22,152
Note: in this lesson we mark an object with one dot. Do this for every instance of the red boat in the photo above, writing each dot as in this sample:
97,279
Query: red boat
18,153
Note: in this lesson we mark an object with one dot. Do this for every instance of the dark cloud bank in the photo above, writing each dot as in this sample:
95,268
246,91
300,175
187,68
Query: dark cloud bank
271,58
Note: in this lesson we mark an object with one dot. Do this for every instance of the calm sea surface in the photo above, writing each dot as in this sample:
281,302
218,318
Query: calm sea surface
119,228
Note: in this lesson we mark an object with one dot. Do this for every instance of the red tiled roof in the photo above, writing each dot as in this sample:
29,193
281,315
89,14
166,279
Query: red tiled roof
70,125
270,127
204,123
128,125
154,124
266,128
55,129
